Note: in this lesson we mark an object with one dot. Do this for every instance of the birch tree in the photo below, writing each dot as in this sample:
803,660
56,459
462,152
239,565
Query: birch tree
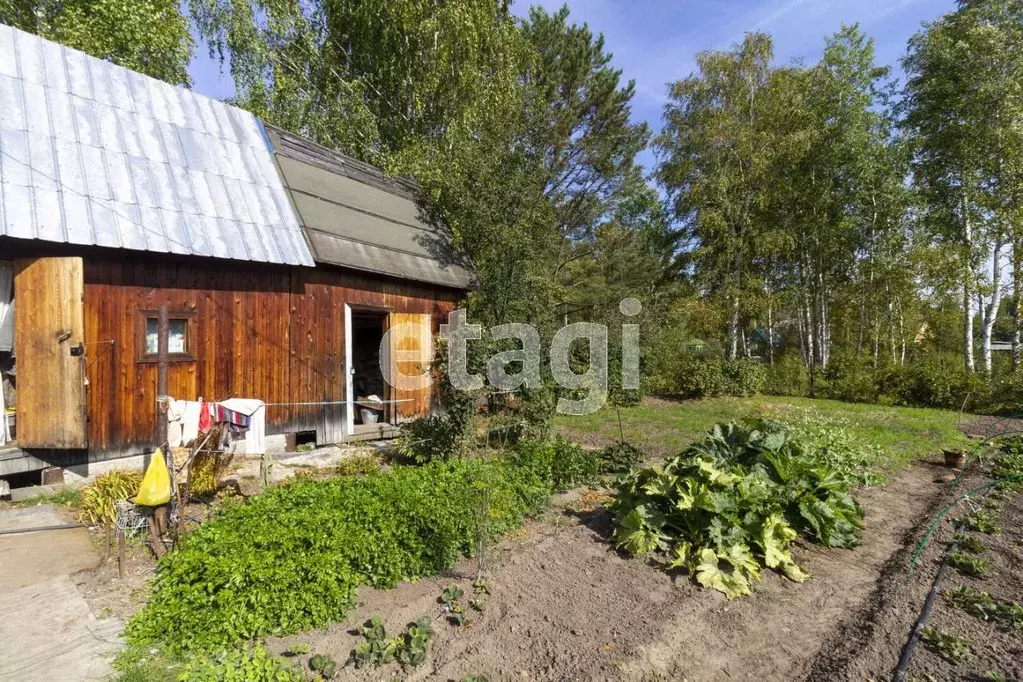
715,150
963,113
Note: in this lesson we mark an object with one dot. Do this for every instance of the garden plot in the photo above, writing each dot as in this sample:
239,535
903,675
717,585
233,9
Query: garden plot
757,504
565,605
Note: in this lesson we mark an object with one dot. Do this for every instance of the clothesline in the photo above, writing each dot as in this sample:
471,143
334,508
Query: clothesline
343,402
163,399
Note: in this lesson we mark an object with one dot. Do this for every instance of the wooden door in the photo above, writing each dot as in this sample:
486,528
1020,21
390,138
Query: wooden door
410,354
49,333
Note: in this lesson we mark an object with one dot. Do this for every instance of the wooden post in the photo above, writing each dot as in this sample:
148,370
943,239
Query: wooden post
156,521
154,533
162,353
120,554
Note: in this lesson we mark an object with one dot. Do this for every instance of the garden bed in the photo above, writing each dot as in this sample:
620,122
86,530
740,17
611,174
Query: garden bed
566,605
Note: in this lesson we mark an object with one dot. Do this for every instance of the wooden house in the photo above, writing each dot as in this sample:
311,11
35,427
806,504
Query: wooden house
281,264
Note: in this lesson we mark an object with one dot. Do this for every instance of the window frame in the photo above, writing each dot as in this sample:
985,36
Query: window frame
143,357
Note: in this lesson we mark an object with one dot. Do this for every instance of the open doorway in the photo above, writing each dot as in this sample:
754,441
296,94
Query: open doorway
8,381
369,390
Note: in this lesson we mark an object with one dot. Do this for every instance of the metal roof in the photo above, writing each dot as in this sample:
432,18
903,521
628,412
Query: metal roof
356,217
94,153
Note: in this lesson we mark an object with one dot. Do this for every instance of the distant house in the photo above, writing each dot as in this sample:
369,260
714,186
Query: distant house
281,263
694,346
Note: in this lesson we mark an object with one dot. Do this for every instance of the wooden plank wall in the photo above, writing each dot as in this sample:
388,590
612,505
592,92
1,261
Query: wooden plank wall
276,334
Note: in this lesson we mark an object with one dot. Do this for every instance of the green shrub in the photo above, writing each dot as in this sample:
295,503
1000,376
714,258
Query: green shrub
560,461
787,376
733,503
620,458
437,438
939,381
358,464
292,558
696,377
848,378
744,378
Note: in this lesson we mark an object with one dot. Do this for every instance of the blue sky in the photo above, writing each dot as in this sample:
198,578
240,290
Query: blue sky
655,41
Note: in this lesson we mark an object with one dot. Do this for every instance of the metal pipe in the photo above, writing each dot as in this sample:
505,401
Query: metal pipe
65,526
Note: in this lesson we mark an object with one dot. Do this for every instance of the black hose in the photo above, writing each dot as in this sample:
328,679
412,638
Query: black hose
921,622
63,526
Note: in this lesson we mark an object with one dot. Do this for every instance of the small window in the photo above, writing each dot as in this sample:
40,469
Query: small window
179,343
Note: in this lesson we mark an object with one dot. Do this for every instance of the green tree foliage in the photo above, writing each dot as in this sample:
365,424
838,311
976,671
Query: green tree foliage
579,122
964,108
716,147
149,36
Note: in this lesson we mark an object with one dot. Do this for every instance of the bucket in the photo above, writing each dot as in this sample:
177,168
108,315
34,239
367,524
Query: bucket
369,416
955,459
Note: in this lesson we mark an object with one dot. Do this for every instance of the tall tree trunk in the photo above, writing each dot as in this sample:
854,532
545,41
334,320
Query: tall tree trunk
770,332
733,322
968,328
990,311
1017,313
967,278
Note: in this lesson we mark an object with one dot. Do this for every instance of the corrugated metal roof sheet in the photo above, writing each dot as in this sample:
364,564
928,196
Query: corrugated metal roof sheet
93,153
356,217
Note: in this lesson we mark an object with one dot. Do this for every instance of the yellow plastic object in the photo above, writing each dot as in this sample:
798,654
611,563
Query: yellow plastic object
156,484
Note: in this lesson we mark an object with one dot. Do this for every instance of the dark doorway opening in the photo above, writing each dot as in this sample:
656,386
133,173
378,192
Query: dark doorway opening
369,388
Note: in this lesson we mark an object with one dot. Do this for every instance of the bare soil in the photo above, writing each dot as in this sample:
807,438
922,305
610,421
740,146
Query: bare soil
984,426
566,606
994,648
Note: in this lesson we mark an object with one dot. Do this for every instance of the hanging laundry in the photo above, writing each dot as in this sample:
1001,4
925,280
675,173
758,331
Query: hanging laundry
175,411
206,417
227,411
182,421
248,414
190,421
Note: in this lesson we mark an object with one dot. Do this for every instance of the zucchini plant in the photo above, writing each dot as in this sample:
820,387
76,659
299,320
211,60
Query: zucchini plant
732,504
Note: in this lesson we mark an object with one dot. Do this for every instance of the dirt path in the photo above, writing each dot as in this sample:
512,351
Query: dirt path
47,630
567,607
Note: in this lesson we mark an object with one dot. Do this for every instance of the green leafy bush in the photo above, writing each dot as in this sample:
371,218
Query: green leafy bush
744,378
358,465
848,378
241,665
733,503
620,458
437,438
560,461
292,558
691,376
787,376
834,443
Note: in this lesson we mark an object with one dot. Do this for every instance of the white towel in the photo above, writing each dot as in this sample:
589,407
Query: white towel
182,421
255,436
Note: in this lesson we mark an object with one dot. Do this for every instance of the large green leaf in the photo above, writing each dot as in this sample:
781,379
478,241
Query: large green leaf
718,574
638,532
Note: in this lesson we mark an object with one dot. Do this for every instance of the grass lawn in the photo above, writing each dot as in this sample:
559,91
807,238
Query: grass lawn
665,428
